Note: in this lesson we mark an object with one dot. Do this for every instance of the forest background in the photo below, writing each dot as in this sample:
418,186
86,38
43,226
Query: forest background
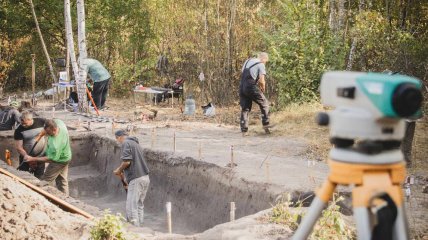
304,39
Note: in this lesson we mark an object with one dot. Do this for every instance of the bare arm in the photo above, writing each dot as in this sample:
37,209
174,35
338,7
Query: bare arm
19,146
124,165
39,159
262,82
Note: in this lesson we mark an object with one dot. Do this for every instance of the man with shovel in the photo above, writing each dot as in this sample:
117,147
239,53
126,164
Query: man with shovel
58,154
137,176
28,141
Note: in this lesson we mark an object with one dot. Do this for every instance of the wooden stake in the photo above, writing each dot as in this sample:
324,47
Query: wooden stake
200,151
232,211
175,143
113,126
232,164
168,217
53,112
7,157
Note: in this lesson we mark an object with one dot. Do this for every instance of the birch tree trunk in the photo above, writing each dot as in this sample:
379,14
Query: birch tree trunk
43,43
230,38
81,42
351,54
70,38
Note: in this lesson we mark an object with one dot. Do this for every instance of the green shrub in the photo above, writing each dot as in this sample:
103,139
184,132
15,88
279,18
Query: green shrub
109,227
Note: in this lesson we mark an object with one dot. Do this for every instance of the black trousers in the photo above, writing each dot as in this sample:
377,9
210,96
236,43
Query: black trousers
38,171
99,93
247,95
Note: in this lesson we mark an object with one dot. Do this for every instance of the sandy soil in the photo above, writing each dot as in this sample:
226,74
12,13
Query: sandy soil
274,160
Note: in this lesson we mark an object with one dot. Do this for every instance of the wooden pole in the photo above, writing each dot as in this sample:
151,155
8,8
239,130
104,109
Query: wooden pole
53,112
53,199
232,211
168,217
51,69
200,151
33,78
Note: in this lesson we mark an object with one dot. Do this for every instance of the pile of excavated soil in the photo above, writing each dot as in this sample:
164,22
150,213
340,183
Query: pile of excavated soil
24,214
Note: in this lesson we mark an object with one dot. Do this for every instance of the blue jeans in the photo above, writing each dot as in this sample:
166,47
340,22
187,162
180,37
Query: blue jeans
137,190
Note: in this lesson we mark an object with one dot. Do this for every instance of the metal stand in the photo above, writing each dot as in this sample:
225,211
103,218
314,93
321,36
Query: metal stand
369,180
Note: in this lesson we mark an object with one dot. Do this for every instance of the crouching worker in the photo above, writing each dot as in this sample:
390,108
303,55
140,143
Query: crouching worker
9,116
136,174
58,154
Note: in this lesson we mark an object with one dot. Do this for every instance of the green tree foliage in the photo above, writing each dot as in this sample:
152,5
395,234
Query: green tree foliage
304,38
307,40
301,48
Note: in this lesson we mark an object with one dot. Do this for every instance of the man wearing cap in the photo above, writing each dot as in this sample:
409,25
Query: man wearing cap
58,154
9,116
136,174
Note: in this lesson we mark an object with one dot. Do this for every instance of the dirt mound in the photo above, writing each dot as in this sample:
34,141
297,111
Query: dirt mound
25,214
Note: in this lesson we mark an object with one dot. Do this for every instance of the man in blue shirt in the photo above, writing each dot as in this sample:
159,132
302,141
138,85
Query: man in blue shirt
101,77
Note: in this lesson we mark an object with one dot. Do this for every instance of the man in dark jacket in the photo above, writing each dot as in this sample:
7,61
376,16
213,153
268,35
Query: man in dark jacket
136,174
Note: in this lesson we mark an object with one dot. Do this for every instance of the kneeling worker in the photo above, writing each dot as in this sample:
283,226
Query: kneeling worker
58,154
137,176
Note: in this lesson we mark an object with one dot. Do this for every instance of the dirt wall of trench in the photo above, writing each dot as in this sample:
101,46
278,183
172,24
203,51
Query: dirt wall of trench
200,192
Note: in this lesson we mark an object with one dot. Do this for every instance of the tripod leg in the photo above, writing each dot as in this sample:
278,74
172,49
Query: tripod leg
400,227
362,220
314,212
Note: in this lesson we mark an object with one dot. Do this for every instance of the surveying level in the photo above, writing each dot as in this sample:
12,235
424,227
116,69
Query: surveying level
366,128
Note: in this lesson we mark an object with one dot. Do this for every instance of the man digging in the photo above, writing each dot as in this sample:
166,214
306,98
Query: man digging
137,176
28,141
58,154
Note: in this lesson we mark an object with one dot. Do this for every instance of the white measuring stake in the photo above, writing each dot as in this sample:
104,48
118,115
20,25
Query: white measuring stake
232,211
168,216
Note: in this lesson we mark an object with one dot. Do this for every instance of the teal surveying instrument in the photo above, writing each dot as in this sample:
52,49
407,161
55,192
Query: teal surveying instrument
366,127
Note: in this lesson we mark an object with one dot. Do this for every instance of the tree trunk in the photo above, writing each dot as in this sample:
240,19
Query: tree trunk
70,39
332,15
351,54
342,14
51,69
81,79
230,42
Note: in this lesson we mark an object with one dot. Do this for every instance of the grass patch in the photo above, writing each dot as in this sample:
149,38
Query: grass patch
331,224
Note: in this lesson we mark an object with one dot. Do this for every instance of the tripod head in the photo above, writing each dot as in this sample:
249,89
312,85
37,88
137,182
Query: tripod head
369,108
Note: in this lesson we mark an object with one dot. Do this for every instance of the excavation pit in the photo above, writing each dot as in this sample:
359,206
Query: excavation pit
200,192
